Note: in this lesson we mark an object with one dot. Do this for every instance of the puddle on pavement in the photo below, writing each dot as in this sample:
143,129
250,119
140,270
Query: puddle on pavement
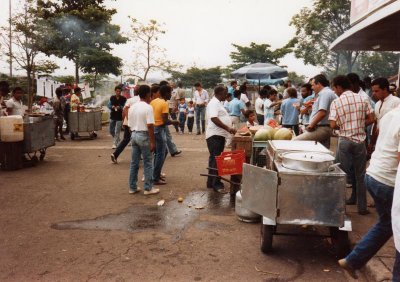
171,217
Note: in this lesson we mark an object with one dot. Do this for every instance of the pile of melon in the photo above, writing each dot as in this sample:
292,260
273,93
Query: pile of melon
267,133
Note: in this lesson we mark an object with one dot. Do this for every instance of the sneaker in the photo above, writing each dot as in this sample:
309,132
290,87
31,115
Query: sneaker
143,178
152,191
352,272
114,147
114,159
135,191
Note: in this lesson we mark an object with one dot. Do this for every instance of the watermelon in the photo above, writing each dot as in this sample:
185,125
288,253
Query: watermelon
283,134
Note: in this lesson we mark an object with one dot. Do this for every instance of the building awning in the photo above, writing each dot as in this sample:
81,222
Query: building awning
378,32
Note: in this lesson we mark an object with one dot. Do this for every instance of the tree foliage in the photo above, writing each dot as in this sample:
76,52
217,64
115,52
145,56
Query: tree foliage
379,64
296,79
70,27
148,54
209,78
317,28
256,53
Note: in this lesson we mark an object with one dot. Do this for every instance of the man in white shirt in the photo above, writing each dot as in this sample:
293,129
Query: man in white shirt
260,106
14,105
380,181
141,123
396,224
219,128
200,99
386,103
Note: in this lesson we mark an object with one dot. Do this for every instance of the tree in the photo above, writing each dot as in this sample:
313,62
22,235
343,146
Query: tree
99,63
209,78
379,64
71,27
256,53
296,79
26,43
148,55
317,28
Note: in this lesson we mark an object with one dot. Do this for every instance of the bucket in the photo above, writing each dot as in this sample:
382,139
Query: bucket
12,129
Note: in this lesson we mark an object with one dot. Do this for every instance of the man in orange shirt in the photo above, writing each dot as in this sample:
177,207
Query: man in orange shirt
161,112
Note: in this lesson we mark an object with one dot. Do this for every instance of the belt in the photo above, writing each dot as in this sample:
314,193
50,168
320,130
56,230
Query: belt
140,131
323,125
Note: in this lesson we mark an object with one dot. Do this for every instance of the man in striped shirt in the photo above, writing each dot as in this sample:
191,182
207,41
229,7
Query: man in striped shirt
351,113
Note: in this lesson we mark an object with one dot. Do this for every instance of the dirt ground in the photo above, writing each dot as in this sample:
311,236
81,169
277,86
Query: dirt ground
71,219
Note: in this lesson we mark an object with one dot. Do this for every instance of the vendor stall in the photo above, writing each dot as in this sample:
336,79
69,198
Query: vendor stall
85,120
39,133
300,185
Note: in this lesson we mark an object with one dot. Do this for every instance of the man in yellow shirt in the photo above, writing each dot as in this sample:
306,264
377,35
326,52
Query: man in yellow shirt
75,100
161,111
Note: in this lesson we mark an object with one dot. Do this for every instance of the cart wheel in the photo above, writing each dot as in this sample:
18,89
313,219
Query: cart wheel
340,241
72,136
42,154
92,136
267,233
34,160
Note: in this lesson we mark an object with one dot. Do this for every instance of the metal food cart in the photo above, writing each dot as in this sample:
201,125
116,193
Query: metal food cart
39,133
88,121
287,196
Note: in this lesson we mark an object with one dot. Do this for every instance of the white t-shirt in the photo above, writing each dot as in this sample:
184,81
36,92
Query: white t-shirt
244,99
17,108
389,104
383,164
216,109
269,112
200,98
139,116
396,211
129,103
259,106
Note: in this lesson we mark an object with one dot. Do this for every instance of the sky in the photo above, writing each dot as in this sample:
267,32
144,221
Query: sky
201,33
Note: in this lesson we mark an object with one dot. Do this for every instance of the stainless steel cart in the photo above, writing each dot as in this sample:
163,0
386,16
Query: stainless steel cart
89,122
38,136
285,196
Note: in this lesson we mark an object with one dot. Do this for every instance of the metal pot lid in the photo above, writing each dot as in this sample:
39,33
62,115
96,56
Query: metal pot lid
309,157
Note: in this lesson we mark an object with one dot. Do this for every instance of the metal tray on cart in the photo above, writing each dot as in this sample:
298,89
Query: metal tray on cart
85,122
38,135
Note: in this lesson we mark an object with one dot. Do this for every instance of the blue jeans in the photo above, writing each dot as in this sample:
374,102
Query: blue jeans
141,146
381,232
396,268
200,116
115,130
172,149
161,147
182,121
352,157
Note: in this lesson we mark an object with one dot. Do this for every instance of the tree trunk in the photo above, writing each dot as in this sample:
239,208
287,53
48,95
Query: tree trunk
76,71
349,61
30,88
145,74
337,64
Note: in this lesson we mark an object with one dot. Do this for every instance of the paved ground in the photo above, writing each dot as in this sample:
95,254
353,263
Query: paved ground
71,219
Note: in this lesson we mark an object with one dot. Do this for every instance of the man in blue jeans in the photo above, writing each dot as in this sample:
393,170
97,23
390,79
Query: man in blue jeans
200,99
116,105
161,121
141,122
351,114
380,181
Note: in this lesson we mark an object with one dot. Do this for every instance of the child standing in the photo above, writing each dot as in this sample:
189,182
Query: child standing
190,117
251,118
182,108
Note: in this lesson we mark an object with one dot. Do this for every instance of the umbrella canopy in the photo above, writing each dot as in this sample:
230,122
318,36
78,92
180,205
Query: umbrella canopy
261,72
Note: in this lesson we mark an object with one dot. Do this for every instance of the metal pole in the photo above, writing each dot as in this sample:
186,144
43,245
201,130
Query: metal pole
10,50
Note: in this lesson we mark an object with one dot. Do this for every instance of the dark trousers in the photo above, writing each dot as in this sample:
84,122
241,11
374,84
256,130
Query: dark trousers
216,145
396,268
58,121
124,142
352,158
294,127
260,119
182,121
173,117
190,123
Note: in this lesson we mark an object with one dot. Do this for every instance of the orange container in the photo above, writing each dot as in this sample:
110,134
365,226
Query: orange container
231,163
